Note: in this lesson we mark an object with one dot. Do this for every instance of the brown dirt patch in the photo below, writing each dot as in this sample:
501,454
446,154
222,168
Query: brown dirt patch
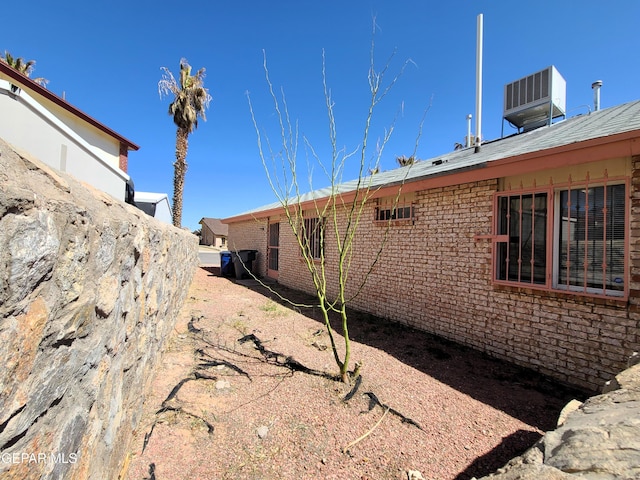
454,413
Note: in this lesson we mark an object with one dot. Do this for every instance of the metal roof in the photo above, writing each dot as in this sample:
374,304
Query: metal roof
152,197
602,123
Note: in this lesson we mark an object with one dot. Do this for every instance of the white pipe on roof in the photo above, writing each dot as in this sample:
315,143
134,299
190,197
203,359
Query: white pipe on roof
479,83
596,94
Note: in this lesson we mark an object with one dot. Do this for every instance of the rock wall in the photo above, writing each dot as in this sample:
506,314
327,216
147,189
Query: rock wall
597,440
89,289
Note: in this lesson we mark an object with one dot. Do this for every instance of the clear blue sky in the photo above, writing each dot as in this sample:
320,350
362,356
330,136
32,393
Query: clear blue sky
106,57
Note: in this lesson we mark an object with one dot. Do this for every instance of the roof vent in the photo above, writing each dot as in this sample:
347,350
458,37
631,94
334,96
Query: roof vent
535,100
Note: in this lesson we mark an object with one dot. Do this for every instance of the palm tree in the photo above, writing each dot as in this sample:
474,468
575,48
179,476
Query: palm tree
405,161
22,66
190,99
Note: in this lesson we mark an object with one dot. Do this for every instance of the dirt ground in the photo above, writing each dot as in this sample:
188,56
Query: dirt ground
246,391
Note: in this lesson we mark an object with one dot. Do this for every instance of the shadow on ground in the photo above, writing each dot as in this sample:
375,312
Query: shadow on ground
500,455
213,271
469,371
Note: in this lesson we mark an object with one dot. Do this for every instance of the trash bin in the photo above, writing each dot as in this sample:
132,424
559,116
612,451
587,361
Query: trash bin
243,262
226,265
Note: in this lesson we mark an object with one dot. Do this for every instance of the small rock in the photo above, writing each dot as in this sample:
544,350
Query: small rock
414,475
320,346
222,384
220,367
569,408
628,379
262,431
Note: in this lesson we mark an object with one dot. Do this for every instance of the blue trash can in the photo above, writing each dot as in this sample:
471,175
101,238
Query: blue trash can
226,265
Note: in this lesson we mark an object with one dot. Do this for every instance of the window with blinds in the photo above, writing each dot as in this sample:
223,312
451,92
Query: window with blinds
592,238
571,239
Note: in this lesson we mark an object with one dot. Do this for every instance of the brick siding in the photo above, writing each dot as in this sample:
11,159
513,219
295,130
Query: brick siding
251,235
436,275
123,158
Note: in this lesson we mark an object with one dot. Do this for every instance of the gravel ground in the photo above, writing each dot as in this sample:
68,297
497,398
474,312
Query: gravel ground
245,391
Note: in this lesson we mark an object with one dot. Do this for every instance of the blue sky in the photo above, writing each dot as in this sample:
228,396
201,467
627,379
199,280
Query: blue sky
106,58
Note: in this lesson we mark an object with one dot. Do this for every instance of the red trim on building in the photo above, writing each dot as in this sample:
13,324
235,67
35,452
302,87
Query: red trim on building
612,146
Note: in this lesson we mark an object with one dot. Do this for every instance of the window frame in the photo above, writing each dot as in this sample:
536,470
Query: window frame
553,247
315,248
504,238
393,205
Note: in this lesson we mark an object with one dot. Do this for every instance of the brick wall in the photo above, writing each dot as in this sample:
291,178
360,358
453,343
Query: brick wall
123,158
435,275
250,235
292,271
633,326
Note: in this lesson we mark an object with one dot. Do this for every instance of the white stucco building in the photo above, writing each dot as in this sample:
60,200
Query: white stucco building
39,122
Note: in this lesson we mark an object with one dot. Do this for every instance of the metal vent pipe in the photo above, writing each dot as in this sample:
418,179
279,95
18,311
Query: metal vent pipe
479,83
596,94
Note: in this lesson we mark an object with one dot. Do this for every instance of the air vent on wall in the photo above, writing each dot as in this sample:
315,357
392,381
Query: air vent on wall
536,99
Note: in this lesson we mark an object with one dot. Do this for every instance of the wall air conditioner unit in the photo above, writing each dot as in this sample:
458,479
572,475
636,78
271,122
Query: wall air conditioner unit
535,100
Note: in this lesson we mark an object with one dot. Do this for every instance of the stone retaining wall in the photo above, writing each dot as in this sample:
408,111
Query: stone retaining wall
599,439
89,290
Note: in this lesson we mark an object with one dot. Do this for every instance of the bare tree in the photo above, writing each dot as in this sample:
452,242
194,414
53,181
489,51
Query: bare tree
333,214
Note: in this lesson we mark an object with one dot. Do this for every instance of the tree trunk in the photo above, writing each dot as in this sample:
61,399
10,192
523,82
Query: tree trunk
180,169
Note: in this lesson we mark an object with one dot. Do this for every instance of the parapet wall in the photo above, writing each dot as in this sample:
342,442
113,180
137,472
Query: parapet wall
89,289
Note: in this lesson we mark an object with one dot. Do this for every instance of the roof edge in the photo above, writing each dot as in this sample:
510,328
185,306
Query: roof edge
26,82
622,144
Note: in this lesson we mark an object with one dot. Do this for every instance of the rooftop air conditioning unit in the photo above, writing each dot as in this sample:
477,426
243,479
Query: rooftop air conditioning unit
536,99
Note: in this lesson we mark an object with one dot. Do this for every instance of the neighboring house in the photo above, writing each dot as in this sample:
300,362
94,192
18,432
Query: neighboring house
527,249
37,121
154,204
213,232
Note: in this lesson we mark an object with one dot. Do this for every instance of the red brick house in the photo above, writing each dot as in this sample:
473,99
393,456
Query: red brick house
528,249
